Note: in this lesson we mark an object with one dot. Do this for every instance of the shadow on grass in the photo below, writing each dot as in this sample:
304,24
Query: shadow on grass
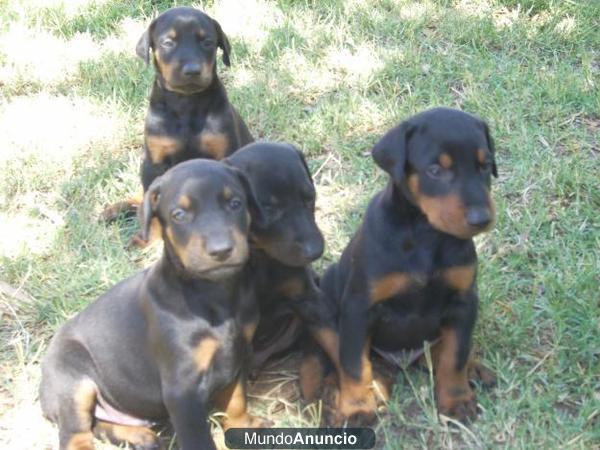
100,19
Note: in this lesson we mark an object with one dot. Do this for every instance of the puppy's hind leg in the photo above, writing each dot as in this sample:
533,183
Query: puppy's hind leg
68,393
75,415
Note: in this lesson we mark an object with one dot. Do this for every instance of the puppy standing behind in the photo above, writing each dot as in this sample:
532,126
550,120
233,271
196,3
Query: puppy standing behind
409,273
171,341
189,115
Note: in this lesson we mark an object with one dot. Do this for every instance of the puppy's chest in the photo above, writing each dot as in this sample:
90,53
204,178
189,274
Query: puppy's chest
218,351
171,138
422,274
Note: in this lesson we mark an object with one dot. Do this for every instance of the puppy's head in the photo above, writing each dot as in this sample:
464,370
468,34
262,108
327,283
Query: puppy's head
183,43
443,160
204,208
285,191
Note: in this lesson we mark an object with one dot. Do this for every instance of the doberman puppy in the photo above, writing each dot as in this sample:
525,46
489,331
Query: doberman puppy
282,246
409,274
189,114
169,342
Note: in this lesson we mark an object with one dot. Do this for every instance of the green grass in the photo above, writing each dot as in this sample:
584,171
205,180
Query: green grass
332,77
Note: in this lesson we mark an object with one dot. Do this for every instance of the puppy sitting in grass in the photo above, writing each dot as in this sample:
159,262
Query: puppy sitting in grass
171,341
409,273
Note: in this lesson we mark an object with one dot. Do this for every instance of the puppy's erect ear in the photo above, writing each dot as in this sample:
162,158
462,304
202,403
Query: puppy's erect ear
491,146
223,43
142,49
390,153
149,206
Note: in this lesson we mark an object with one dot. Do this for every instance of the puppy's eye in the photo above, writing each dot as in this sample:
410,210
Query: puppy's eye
208,43
235,203
167,43
178,215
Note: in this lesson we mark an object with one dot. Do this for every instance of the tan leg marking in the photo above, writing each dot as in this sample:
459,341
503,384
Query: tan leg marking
204,352
311,377
81,441
121,434
357,401
249,329
232,401
84,400
454,395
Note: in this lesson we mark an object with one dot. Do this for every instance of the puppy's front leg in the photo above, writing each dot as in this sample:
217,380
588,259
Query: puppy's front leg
187,405
232,401
450,357
357,402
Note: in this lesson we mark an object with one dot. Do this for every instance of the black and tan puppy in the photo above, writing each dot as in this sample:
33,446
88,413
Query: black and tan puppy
189,115
409,273
283,246
169,342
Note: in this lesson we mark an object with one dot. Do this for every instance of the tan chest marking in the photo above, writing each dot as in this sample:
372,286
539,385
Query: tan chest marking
388,286
460,278
213,144
160,147
292,287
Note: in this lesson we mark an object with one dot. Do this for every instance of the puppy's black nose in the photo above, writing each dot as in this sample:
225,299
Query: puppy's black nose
220,250
313,250
479,217
191,69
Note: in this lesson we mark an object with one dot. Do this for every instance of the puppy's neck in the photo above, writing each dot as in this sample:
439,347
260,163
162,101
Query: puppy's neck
173,271
163,98
259,257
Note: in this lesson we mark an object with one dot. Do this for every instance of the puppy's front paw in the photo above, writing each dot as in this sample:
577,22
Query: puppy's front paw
247,421
480,374
459,403
353,409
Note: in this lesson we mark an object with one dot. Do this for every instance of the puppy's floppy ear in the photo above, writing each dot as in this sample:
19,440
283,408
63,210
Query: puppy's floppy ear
149,206
256,210
491,146
223,43
142,49
390,153
303,160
